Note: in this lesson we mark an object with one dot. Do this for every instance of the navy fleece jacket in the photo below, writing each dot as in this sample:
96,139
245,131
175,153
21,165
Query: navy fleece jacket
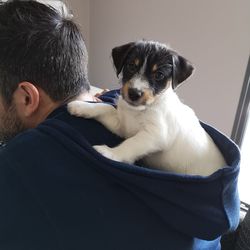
57,192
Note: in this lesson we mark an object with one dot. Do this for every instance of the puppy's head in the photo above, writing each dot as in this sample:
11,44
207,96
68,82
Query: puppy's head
147,69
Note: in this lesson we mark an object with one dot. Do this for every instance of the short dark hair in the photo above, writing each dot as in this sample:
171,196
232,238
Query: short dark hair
40,45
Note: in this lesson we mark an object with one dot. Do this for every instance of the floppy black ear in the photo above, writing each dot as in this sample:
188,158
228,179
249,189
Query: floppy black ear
119,55
182,69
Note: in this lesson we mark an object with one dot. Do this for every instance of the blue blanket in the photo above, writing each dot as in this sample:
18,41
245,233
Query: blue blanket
57,192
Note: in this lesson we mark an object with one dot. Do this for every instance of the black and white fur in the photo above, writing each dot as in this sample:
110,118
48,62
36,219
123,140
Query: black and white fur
157,126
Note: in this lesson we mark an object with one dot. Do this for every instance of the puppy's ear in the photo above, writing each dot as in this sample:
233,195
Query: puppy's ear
182,69
119,55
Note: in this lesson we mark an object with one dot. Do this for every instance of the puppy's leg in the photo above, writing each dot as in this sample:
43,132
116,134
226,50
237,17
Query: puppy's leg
104,113
133,148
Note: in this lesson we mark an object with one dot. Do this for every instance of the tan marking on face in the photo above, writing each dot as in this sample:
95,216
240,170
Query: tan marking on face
137,61
155,67
148,97
124,90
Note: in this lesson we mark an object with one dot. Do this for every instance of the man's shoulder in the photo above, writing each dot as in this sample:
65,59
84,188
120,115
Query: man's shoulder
23,147
59,129
79,128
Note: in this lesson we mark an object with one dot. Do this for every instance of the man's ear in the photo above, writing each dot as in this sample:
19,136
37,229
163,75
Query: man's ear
119,55
27,98
182,69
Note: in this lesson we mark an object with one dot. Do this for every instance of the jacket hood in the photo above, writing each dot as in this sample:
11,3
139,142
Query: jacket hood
202,207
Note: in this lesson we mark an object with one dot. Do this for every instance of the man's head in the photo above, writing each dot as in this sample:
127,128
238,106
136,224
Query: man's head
43,63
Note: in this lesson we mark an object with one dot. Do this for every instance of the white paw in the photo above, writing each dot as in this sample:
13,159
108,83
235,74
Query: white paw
107,152
80,108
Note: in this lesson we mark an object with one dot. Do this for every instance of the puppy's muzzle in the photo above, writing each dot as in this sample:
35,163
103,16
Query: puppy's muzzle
134,94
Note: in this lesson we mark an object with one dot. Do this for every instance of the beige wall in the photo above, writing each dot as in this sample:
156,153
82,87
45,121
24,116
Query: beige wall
213,34
81,11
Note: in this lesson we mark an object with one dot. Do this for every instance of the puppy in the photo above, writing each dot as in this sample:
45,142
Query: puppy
157,126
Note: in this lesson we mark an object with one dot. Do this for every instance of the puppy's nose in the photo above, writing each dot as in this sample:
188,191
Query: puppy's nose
134,94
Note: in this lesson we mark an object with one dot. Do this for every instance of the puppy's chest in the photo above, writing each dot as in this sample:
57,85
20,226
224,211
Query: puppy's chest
130,122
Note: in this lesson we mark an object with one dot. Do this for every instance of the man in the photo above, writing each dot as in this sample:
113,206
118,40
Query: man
56,191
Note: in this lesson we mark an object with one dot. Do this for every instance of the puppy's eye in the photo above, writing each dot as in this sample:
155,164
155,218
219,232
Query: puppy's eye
131,67
159,76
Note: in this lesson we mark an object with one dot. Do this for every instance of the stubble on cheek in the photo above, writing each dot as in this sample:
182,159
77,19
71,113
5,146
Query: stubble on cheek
10,125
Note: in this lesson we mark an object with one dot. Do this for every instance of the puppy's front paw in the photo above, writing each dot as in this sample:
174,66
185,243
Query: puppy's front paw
80,108
107,152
